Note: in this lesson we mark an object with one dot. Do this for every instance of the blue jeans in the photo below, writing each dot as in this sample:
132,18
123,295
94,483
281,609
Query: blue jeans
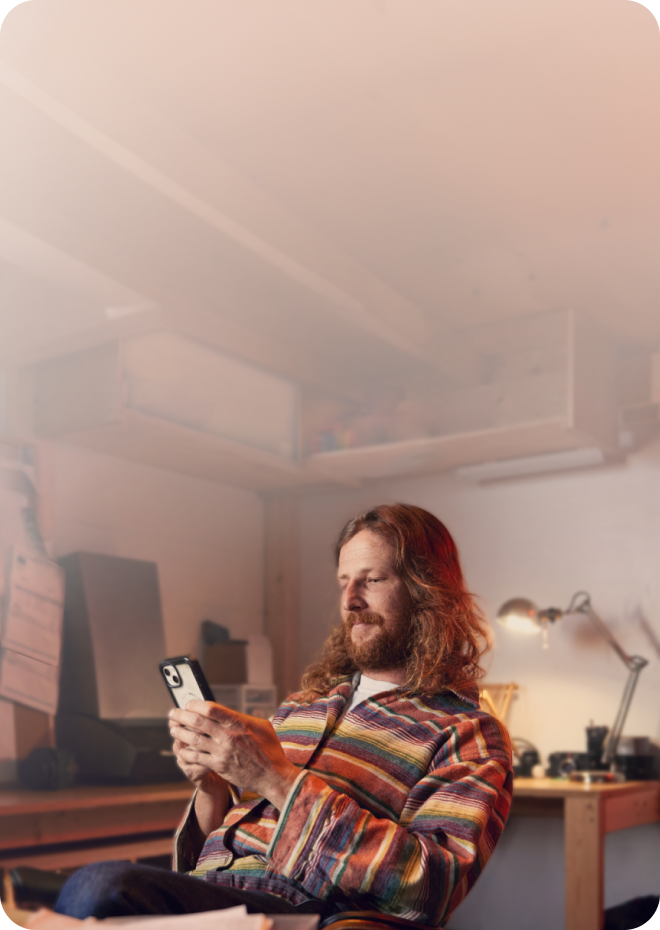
120,889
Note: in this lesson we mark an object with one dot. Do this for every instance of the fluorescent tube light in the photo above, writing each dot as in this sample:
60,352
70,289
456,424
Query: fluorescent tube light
531,465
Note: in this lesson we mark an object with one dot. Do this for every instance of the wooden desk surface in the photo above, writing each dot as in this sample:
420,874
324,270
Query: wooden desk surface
589,812
22,801
30,819
88,813
562,788
620,805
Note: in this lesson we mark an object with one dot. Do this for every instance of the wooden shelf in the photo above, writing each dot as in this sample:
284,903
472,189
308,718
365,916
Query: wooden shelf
130,850
167,401
18,800
554,393
551,388
153,441
443,453
76,826
83,814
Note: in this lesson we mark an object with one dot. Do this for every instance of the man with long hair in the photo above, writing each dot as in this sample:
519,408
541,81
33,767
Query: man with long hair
442,634
381,786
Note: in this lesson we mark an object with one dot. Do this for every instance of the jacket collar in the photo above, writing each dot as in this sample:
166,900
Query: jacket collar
468,693
301,735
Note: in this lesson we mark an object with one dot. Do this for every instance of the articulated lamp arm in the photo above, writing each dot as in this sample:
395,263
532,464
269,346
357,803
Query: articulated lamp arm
522,615
581,603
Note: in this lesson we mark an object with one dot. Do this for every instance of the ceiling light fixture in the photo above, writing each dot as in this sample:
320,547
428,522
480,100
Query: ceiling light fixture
500,469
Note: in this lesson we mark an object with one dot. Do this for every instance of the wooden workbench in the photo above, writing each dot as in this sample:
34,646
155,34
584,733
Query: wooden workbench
76,826
66,829
589,812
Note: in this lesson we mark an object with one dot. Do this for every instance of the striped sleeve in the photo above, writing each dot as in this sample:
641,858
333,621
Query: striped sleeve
185,851
420,868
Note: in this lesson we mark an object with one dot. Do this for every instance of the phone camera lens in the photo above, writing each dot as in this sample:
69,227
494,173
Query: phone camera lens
172,677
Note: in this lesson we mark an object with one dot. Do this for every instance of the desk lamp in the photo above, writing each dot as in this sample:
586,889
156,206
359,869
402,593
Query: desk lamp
523,616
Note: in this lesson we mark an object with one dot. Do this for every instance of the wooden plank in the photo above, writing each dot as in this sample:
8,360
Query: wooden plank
442,453
20,800
75,824
154,441
282,599
73,858
631,810
562,788
537,807
583,843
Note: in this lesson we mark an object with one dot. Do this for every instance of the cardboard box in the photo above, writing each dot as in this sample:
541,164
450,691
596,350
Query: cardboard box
225,663
237,662
22,729
254,700
32,683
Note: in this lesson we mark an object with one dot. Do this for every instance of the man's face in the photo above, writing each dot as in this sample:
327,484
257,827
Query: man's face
375,605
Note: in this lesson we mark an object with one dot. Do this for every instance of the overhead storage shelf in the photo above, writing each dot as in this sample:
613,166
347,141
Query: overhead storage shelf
549,386
154,441
444,453
166,401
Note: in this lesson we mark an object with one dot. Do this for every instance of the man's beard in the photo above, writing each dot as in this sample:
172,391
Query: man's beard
388,649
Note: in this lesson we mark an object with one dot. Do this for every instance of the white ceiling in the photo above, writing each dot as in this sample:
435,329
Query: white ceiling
334,188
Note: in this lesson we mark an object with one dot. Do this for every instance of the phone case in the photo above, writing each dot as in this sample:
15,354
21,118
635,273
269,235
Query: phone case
185,680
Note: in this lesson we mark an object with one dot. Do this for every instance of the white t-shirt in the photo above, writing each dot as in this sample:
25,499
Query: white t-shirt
365,688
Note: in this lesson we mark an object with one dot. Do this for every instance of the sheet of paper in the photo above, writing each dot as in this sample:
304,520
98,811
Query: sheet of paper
28,682
33,608
232,918
45,919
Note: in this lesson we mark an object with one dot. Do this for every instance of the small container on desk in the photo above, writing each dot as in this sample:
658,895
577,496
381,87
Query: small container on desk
254,700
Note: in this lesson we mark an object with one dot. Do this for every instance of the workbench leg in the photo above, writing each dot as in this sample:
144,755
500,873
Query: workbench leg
583,843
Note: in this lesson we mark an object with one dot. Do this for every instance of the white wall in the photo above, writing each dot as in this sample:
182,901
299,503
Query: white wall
543,538
4,402
207,539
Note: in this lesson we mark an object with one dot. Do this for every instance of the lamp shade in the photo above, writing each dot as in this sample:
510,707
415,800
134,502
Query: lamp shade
520,615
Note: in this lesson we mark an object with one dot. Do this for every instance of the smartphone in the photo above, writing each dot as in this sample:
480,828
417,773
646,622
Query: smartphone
185,680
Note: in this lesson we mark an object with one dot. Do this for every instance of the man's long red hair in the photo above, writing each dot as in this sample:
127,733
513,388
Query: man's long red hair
448,632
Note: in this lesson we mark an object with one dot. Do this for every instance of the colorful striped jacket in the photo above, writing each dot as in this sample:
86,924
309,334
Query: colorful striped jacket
396,809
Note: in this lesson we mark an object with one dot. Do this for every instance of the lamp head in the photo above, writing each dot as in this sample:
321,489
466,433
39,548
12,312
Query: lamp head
520,615
523,616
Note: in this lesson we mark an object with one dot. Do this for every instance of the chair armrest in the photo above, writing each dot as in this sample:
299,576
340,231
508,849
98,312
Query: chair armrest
32,887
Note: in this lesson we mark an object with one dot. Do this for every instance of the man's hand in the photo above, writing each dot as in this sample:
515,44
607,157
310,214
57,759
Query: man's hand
212,798
199,775
239,749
